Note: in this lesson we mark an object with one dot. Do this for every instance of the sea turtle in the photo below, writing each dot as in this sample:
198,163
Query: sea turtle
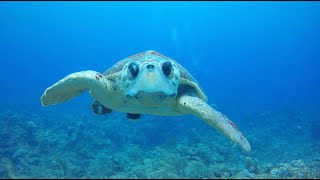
145,83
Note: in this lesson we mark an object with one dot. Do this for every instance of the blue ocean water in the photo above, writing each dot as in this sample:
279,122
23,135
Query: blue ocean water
258,63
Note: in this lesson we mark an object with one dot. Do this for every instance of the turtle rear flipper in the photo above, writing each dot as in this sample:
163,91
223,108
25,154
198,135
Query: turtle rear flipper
133,116
99,109
196,106
74,85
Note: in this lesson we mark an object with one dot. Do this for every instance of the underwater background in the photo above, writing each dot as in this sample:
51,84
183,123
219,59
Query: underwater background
258,62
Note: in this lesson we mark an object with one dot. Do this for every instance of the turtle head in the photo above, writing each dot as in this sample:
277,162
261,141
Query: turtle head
151,81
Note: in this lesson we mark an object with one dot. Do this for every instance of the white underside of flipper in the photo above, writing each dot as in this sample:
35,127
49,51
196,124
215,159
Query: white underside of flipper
69,87
199,108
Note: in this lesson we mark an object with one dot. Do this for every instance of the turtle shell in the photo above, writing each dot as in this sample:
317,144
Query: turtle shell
188,83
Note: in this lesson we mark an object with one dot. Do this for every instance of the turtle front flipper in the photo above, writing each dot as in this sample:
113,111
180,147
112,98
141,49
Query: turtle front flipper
193,105
73,85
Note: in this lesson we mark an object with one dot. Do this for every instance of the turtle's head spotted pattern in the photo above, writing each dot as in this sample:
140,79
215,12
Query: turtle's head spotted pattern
151,78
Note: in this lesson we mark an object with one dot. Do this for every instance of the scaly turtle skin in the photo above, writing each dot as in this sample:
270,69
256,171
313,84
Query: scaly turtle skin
145,83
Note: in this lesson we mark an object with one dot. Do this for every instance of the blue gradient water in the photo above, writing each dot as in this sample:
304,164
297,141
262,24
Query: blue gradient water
249,57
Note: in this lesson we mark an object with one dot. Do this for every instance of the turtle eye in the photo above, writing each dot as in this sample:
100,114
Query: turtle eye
167,68
134,69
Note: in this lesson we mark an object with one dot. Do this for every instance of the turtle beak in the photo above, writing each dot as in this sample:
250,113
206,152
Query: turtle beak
151,99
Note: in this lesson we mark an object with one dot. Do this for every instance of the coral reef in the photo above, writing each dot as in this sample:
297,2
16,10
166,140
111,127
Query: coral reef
59,145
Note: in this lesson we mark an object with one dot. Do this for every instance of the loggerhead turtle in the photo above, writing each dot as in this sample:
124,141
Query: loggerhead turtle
145,83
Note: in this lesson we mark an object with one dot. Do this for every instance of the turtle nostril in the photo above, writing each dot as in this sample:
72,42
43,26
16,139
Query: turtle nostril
150,66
